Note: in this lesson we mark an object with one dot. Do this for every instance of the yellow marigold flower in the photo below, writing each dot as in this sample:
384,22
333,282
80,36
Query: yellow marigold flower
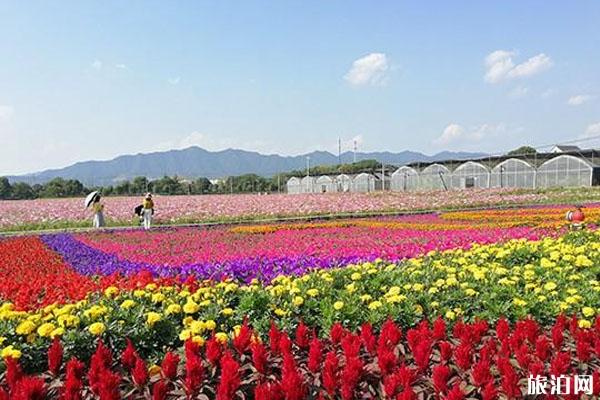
433,290
173,309
111,291
25,328
227,312
450,315
365,297
10,351
375,305
210,325
199,340
221,337
152,318
154,370
191,307
127,304
139,293
97,328
588,311
279,312
298,301
158,297
312,292
45,330
471,292
351,288
57,332
151,287
185,335
356,276
338,305
584,324
519,302
583,261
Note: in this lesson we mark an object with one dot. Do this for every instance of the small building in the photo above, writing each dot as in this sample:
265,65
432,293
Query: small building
561,148
343,183
325,184
294,185
363,183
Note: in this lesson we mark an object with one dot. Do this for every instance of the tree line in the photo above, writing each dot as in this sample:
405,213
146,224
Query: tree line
173,185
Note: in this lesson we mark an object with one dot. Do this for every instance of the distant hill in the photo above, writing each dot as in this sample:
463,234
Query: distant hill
195,162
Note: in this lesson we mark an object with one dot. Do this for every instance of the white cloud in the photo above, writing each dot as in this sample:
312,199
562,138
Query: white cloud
6,113
174,81
592,130
97,64
368,70
500,66
120,66
579,99
456,133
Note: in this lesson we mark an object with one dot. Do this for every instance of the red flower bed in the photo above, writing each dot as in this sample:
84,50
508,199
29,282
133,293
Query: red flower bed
424,362
32,275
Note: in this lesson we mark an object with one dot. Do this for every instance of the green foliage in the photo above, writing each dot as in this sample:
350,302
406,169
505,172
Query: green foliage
522,150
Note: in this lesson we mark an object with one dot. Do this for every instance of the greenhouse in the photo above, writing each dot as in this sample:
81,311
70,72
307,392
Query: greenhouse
513,173
470,174
307,185
343,182
363,183
435,176
325,184
294,185
405,179
565,170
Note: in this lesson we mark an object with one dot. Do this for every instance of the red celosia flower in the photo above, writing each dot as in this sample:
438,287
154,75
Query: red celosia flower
274,335
536,368
3,394
557,335
386,360
351,374
368,338
445,351
583,346
542,348
29,388
129,356
259,357
481,374
292,382
522,356
315,355
55,355
455,393
139,372
502,329
302,336
439,329
488,350
73,380
489,392
440,376
285,344
463,354
422,354
330,373
213,350
351,345
14,373
596,382
242,340
268,391
407,394
160,390
194,372
337,332
560,364
390,333
169,365
100,362
510,379
230,377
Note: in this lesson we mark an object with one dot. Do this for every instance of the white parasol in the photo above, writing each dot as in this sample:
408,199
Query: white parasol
90,198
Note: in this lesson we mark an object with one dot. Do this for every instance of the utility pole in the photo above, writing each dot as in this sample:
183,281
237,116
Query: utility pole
278,183
355,150
382,177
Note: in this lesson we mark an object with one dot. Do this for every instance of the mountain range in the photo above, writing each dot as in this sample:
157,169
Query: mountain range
195,162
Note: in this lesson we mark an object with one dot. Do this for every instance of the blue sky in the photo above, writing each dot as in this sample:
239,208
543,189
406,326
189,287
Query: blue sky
86,80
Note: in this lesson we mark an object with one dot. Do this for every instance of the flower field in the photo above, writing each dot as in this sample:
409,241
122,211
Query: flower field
60,213
445,306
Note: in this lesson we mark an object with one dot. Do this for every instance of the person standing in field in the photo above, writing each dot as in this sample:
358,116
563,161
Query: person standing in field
98,209
147,210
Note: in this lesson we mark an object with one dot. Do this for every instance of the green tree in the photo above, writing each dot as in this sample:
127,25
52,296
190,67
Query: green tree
139,185
5,188
522,151
22,191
